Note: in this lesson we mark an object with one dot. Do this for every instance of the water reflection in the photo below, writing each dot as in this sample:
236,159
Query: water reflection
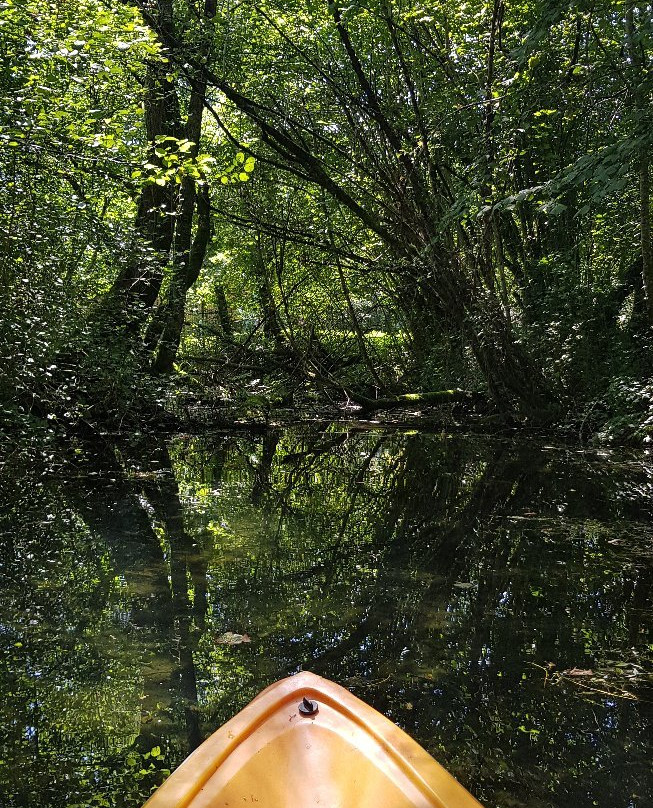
492,597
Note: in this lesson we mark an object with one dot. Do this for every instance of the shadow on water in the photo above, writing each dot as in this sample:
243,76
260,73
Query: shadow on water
492,597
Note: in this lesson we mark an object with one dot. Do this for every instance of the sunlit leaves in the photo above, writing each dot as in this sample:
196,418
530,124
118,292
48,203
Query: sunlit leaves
239,170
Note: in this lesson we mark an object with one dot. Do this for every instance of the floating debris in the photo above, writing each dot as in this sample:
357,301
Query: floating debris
230,638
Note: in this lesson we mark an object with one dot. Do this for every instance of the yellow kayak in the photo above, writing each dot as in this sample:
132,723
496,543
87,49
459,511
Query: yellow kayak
305,741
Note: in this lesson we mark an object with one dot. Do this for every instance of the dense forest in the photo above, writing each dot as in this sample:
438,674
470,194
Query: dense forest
369,205
326,341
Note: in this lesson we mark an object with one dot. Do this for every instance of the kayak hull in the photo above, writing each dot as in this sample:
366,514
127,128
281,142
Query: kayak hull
343,755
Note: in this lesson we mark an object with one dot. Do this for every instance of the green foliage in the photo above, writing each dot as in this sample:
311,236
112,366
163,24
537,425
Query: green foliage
627,413
72,128
463,181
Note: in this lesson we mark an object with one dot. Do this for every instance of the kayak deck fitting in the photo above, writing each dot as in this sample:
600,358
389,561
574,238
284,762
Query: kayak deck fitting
305,741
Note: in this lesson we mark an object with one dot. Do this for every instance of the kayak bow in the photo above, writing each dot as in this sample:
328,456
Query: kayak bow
305,741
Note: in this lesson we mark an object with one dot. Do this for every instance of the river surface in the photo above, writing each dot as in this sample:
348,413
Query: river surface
492,597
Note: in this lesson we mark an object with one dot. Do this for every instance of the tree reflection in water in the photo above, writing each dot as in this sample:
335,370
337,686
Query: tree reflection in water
449,581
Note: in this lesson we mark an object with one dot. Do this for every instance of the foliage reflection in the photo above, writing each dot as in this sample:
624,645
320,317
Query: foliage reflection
494,598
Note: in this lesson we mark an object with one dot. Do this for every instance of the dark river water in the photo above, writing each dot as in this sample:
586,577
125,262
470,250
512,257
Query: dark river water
492,597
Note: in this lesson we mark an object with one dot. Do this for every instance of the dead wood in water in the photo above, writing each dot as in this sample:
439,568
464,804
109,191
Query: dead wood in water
427,399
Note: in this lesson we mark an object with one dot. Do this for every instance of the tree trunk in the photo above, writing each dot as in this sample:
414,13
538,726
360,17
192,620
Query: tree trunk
515,384
189,251
137,285
270,316
166,217
645,230
223,311
638,60
185,275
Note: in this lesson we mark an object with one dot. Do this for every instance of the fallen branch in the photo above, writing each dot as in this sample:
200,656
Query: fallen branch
417,399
